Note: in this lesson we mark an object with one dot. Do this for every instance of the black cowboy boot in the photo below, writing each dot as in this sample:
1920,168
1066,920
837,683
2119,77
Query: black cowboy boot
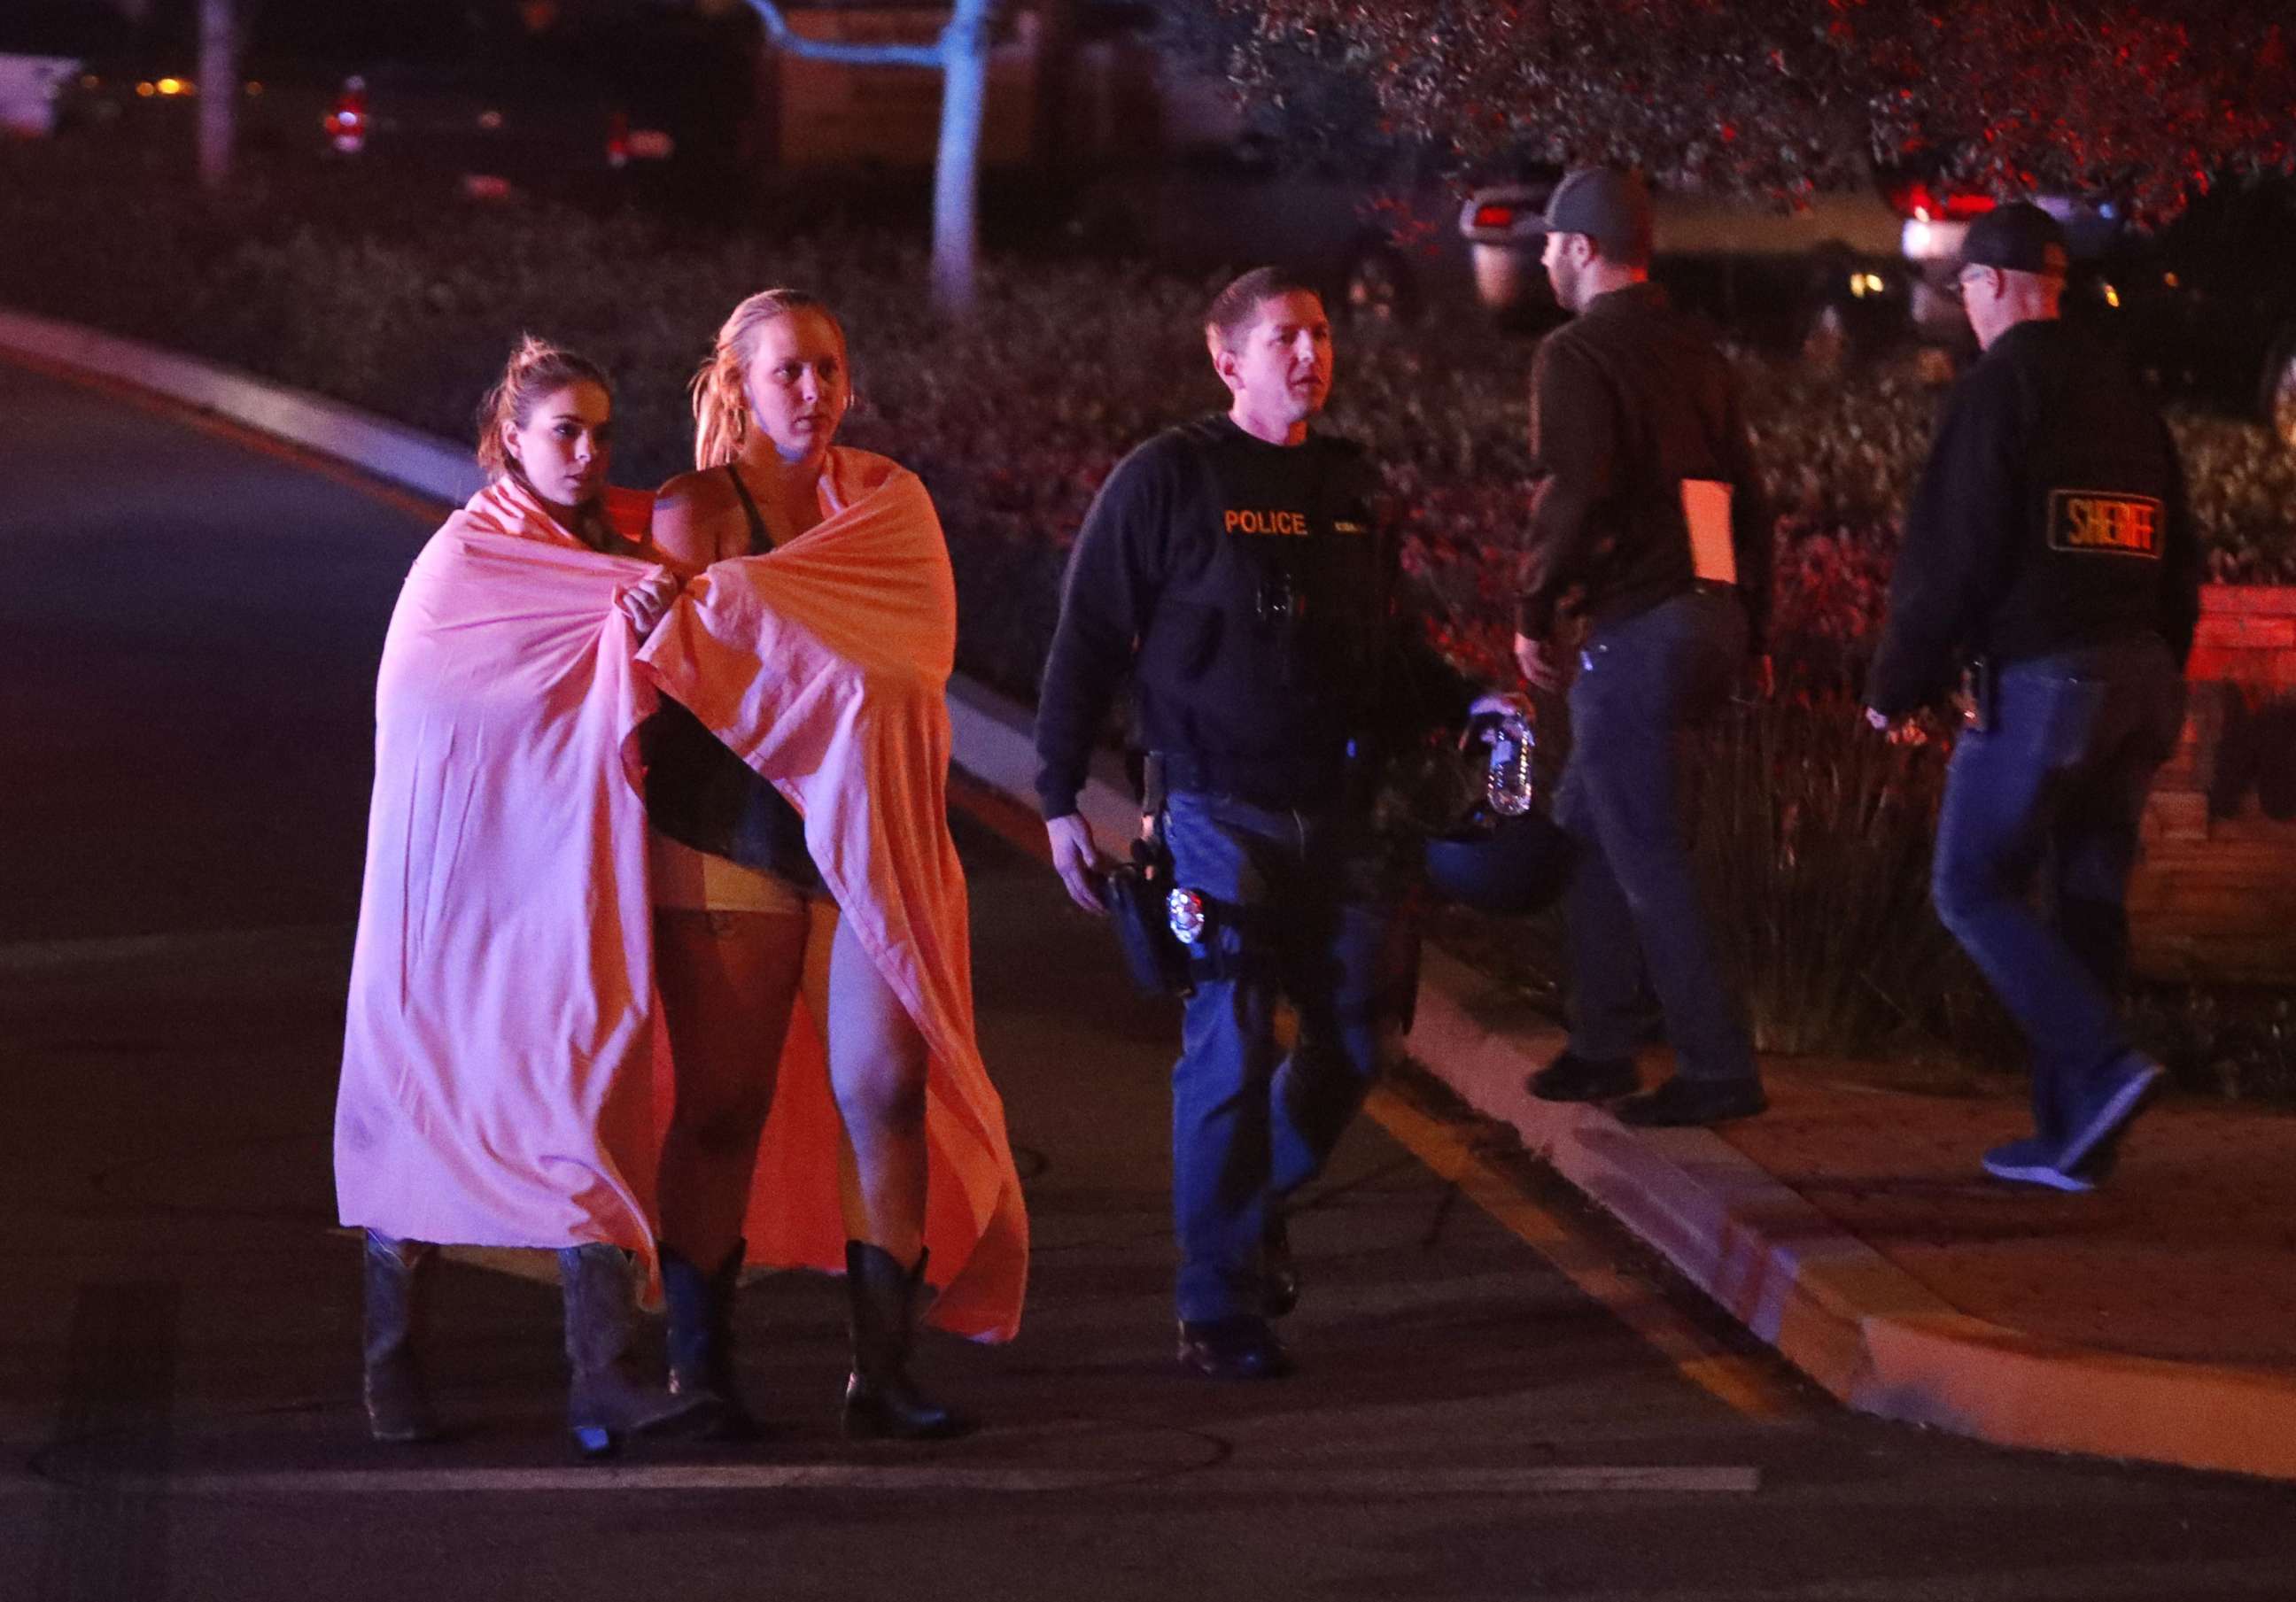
880,1399
700,1309
606,1400
398,1278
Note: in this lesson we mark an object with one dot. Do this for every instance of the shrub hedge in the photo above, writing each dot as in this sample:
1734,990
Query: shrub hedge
395,298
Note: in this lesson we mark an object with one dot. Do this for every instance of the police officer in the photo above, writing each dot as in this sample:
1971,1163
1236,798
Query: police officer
1649,523
2049,553
1234,567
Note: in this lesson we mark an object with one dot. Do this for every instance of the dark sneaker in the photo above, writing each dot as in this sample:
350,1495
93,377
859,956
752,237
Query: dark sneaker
1279,1270
2033,1161
1680,1102
1571,1078
1242,1347
2119,1094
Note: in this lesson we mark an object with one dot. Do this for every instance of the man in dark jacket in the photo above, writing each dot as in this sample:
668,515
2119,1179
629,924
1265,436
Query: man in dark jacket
1235,570
1650,525
2050,560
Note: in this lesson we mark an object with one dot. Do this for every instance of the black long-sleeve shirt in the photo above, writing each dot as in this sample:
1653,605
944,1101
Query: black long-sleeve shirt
1627,400
1252,594
2051,515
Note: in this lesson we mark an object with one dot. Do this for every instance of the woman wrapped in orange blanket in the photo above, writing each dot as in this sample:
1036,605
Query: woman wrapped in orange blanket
810,925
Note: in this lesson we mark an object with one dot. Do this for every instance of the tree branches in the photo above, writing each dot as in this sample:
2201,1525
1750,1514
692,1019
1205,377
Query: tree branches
2142,99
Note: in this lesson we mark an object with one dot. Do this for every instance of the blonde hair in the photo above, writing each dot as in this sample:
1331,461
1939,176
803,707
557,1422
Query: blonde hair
537,370
721,409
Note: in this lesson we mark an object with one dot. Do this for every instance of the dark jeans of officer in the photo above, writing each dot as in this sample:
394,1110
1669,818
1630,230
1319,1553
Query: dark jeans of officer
1636,920
2057,783
1248,1130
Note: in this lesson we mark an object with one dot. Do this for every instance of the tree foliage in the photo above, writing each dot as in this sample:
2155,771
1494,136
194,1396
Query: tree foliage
2149,101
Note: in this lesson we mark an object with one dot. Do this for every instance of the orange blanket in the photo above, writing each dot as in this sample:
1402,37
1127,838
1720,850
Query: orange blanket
502,1077
825,666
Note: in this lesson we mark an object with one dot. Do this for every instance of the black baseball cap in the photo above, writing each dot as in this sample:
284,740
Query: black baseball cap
1610,206
2017,238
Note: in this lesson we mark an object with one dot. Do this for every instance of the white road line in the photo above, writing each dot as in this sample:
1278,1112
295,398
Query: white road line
1387,1483
41,957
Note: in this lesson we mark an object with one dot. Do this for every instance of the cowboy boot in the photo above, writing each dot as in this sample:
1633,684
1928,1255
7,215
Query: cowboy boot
606,1400
396,1277
700,1307
880,1399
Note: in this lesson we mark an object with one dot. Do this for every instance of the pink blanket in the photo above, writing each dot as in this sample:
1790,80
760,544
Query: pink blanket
500,1033
822,662
502,1076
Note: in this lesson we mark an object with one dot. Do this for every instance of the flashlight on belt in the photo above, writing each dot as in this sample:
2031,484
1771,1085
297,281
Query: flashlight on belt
1183,912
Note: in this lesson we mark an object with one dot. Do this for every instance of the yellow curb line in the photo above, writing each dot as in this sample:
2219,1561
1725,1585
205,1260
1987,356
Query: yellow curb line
1727,1377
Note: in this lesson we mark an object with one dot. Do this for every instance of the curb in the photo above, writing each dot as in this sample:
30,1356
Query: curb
1861,1328
389,451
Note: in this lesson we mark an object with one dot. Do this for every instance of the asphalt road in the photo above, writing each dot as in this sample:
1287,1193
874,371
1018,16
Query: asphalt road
188,632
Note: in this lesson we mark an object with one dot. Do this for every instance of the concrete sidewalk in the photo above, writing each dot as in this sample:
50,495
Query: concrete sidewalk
1849,1227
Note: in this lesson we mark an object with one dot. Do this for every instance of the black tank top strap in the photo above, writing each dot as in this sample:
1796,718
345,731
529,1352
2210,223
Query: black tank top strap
761,539
701,795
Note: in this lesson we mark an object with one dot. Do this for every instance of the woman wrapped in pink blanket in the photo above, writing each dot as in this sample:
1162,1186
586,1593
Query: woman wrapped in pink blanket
502,1077
810,929
498,1040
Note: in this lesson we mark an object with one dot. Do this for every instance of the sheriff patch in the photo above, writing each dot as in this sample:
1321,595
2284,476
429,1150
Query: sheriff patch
2103,522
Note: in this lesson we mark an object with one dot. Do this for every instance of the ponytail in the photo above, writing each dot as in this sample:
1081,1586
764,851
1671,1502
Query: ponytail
721,406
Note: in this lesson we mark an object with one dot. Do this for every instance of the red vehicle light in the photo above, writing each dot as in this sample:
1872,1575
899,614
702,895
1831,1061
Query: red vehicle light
1494,215
1919,203
345,123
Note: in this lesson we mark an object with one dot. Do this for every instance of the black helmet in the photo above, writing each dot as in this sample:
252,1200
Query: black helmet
1501,864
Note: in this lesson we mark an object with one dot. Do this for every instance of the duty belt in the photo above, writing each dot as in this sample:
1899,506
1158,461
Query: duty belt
1339,785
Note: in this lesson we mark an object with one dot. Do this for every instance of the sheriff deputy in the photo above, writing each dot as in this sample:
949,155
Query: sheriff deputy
2050,558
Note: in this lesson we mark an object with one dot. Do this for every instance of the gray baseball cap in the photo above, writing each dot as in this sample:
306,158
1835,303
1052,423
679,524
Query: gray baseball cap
1610,206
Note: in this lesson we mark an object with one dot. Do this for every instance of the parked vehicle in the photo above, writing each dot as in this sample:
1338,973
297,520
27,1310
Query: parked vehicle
466,94
536,129
1870,268
2205,309
1833,268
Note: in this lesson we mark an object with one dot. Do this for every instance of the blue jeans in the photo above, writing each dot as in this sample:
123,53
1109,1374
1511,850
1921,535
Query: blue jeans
2057,781
1318,926
1637,924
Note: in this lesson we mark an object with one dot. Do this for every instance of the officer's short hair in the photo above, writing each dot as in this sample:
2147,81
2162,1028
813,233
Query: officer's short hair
1230,316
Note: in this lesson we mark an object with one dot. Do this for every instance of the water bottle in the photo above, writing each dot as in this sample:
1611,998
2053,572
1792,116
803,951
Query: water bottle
1507,788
